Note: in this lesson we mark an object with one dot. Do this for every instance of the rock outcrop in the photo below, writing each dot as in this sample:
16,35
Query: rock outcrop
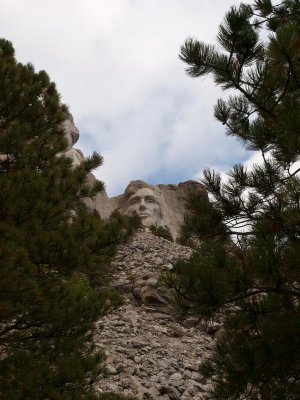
158,205
72,136
150,353
71,132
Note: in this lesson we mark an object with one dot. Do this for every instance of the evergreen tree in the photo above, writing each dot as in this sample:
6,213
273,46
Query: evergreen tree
54,253
252,279
161,231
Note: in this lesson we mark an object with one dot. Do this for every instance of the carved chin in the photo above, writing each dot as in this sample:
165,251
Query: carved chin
148,220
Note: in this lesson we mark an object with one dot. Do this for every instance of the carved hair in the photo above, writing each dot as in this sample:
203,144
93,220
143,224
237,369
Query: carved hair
134,186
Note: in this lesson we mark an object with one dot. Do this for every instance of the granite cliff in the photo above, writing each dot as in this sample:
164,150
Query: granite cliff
139,197
158,205
151,352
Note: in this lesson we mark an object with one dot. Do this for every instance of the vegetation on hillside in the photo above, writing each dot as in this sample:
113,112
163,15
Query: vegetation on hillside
254,283
161,231
54,252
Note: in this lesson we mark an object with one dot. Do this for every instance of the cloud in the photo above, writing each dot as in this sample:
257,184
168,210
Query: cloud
116,64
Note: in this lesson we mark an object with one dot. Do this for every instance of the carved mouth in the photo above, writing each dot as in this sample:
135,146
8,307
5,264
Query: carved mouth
144,215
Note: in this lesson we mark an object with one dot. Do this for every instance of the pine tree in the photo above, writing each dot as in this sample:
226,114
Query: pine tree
54,253
248,267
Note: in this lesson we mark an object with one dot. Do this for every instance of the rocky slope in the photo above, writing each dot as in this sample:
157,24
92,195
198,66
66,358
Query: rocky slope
150,354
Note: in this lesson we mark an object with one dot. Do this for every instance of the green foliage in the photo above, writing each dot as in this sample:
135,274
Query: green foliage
203,283
161,231
186,240
54,253
255,280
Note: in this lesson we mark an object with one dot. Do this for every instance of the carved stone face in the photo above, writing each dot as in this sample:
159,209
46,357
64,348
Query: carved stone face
145,203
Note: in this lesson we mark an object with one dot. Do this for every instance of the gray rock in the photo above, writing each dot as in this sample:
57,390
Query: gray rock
146,348
111,369
171,391
176,377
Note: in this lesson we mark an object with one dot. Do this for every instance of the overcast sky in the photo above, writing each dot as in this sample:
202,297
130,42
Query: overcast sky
115,63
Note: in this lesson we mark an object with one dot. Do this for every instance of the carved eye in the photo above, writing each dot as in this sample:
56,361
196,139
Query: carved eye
149,200
135,200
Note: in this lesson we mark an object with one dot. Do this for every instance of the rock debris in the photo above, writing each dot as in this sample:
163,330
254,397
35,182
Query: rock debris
150,354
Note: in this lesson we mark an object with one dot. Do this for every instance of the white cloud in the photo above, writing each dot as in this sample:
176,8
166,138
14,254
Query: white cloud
116,64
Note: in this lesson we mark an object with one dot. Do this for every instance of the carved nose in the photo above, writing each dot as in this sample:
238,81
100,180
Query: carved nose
142,204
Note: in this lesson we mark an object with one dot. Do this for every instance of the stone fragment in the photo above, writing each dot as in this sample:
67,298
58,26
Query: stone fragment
176,377
171,391
146,348
111,369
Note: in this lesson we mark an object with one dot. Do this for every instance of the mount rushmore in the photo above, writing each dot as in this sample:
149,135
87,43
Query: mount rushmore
159,205
150,354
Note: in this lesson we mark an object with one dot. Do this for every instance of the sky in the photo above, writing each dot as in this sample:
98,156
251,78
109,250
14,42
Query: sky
116,65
